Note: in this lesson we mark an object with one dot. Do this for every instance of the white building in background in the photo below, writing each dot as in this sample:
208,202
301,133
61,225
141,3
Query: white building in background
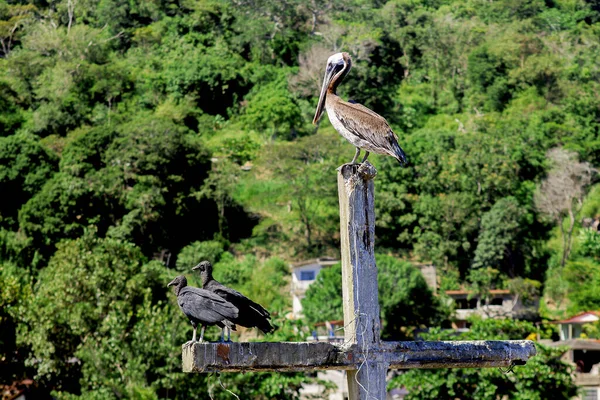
304,274
500,304
583,352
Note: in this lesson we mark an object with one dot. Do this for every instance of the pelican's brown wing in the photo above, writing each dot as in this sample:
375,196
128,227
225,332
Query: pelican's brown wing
370,127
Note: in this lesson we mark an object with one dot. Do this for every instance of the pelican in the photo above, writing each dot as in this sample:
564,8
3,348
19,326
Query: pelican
362,127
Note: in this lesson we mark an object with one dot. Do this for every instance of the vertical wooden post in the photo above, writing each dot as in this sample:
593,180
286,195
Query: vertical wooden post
359,278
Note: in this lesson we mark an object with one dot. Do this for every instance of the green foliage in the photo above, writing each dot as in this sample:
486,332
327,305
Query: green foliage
61,209
87,314
545,376
405,299
589,243
195,252
326,289
183,128
583,278
498,238
487,73
273,111
14,297
25,165
293,183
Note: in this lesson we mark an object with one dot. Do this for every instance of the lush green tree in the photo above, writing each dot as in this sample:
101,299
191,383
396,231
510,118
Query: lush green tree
86,315
25,166
561,195
192,254
406,302
295,185
14,297
273,111
169,125
326,289
62,209
582,278
498,240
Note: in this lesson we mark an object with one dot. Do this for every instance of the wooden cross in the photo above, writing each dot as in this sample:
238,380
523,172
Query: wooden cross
363,355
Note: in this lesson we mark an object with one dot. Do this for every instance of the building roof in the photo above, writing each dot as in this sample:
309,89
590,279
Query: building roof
463,292
576,344
581,318
325,261
336,322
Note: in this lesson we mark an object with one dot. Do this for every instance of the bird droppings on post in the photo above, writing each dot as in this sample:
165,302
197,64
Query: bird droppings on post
364,356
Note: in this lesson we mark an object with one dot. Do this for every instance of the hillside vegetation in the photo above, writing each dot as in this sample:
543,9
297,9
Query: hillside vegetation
139,137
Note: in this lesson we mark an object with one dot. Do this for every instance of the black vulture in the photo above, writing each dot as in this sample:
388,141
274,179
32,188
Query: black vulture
250,315
203,307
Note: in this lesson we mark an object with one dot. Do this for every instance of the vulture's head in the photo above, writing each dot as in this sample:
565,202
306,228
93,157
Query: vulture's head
178,281
205,268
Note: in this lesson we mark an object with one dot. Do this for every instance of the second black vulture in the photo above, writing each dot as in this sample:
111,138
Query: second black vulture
203,307
250,315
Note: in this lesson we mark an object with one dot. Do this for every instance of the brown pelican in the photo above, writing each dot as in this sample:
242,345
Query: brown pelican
362,127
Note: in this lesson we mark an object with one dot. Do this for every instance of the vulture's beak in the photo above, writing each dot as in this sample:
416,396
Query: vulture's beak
196,267
172,283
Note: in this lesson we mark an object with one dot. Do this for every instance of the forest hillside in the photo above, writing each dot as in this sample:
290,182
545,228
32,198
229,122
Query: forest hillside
140,137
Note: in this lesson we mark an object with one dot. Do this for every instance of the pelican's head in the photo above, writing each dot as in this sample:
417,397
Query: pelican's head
338,66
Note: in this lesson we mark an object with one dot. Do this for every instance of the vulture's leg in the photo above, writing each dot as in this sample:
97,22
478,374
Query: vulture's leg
355,156
365,157
223,333
202,334
193,337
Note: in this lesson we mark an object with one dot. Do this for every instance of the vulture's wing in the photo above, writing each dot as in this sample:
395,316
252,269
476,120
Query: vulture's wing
235,297
205,306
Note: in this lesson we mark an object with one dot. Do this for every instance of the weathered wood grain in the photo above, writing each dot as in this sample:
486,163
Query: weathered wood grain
302,356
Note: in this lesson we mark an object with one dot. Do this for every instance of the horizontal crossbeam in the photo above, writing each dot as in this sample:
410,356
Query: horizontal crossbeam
302,356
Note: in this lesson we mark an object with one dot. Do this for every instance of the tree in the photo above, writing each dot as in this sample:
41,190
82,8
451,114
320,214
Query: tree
87,312
273,111
406,302
295,186
62,209
561,194
497,243
14,296
25,166
219,186
192,254
311,65
12,18
582,278
326,289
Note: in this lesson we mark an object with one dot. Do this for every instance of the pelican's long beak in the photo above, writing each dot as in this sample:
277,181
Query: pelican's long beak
324,88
